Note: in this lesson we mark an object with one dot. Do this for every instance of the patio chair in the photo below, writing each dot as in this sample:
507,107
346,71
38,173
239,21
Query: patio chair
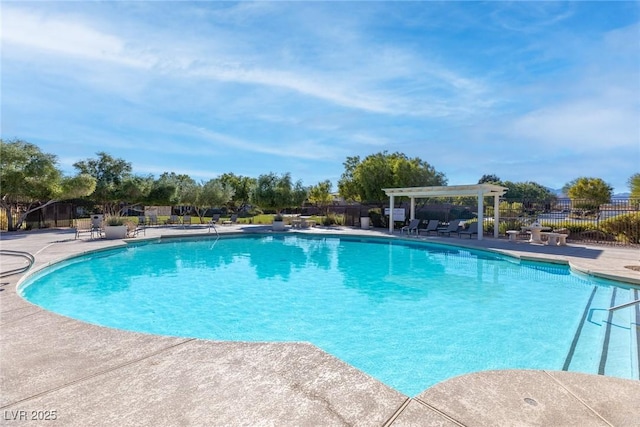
97,225
432,227
412,227
97,220
173,219
451,228
85,226
134,229
140,227
186,220
473,229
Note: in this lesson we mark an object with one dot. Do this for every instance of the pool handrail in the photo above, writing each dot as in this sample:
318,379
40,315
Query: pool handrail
27,255
626,304
213,225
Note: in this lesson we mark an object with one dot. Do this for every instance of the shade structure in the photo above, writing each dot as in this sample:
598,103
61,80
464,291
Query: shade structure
479,190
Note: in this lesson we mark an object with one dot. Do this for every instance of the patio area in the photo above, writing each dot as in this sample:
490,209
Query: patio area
81,374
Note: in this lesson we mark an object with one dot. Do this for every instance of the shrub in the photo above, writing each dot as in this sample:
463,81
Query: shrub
115,220
574,228
625,227
333,219
255,211
377,219
3,220
510,224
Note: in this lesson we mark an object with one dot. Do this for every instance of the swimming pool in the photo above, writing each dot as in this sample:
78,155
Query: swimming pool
409,313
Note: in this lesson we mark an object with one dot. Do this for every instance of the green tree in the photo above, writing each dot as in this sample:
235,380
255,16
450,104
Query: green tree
278,192
241,186
320,195
528,191
188,192
110,174
364,180
489,179
588,193
213,193
162,193
347,185
634,185
133,191
31,180
172,189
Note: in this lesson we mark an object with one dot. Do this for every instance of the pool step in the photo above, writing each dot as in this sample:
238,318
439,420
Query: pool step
615,333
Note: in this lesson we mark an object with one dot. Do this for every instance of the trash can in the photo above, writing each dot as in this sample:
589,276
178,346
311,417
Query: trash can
364,222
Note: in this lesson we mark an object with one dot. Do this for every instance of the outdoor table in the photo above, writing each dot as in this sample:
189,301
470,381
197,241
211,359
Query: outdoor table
536,232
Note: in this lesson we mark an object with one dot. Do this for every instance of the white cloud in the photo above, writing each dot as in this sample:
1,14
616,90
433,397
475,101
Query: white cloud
581,126
65,36
297,149
361,86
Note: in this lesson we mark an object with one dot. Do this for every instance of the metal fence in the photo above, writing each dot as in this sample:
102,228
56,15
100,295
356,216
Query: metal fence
614,223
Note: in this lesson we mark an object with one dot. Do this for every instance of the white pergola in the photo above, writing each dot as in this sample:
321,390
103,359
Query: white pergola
479,190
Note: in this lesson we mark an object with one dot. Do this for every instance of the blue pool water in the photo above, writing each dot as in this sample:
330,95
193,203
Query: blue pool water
410,314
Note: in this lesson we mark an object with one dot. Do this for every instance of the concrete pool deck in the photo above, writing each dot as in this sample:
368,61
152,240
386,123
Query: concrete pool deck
91,375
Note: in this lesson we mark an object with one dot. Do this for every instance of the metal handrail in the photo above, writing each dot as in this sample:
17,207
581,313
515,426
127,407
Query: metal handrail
212,225
22,269
626,304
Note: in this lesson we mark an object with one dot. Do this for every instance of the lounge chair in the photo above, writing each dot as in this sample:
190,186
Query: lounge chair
307,223
451,228
215,218
413,226
230,221
432,227
473,229
302,222
186,220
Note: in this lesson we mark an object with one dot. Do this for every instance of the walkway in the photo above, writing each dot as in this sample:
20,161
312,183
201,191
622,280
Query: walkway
89,375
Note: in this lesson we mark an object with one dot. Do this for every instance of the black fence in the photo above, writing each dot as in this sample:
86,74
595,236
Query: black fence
614,223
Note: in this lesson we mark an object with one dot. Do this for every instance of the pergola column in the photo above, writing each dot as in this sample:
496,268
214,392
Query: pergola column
480,214
496,216
391,205
412,212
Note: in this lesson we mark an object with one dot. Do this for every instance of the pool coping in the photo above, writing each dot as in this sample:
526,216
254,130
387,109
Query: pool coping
95,375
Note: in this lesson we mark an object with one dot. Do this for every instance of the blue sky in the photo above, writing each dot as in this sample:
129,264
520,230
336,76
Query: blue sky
529,91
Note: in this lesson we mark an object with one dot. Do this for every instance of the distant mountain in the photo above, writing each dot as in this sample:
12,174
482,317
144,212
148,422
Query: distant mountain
622,195
558,192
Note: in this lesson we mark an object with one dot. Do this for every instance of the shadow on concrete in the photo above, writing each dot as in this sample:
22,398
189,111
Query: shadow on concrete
520,247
